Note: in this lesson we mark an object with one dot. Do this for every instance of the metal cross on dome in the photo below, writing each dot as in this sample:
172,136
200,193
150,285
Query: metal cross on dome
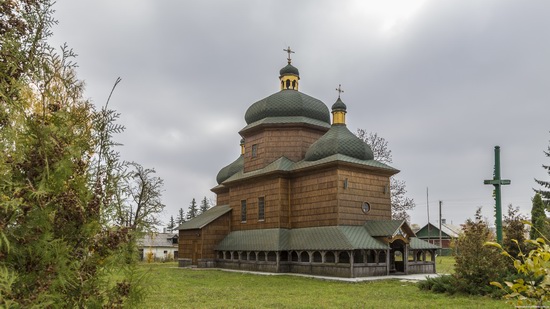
289,51
339,89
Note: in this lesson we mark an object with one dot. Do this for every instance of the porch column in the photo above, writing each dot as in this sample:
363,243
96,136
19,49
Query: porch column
406,259
388,262
351,254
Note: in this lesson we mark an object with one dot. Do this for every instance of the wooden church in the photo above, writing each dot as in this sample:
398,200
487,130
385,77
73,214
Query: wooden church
305,196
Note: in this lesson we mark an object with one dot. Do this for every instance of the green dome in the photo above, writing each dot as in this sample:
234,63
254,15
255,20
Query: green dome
230,170
339,105
289,69
339,140
288,103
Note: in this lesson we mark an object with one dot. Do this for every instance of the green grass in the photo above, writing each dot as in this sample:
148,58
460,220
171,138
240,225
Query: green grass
172,287
445,264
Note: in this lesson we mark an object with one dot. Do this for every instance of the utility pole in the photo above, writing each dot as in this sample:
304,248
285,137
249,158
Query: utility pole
440,245
497,182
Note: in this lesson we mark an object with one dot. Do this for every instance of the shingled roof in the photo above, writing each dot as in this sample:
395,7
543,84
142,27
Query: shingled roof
205,218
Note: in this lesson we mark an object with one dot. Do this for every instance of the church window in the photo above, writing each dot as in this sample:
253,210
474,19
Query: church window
261,208
254,150
243,210
366,207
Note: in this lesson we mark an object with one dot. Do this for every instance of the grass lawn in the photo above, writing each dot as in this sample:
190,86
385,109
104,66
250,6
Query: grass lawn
172,287
445,264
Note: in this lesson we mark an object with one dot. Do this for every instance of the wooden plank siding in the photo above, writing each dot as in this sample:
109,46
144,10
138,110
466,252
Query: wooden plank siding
200,243
362,186
273,143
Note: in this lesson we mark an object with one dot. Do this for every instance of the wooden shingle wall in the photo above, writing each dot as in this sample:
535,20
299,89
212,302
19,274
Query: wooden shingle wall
362,186
314,199
273,143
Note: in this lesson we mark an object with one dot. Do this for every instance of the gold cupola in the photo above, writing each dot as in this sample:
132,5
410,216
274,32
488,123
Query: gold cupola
289,75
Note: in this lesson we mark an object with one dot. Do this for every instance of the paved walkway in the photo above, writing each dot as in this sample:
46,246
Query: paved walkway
408,278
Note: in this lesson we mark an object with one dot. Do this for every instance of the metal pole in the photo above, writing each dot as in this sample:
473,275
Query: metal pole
498,201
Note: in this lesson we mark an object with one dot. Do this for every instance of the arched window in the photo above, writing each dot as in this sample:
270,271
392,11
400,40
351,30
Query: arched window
288,84
358,256
252,256
382,257
220,255
343,257
317,258
304,257
330,257
235,255
272,256
294,256
371,256
261,256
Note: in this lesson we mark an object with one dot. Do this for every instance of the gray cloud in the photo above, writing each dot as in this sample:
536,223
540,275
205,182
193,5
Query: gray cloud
443,84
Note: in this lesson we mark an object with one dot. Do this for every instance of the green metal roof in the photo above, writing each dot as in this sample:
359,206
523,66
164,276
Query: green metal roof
288,103
205,218
339,140
285,120
419,244
230,169
289,69
314,238
447,231
387,228
339,105
284,164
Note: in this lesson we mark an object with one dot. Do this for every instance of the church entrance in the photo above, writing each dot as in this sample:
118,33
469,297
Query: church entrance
398,256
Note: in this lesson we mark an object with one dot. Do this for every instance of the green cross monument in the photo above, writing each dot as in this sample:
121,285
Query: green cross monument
497,182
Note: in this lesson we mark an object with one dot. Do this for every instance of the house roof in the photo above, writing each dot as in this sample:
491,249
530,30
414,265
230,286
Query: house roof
205,218
447,231
157,240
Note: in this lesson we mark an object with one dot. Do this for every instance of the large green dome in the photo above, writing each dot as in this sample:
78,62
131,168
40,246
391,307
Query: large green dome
339,140
230,170
288,103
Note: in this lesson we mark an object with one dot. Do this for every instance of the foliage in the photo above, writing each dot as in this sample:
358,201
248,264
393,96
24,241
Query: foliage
193,211
144,192
205,205
477,265
57,177
222,289
442,284
181,217
514,232
545,194
538,218
400,203
533,285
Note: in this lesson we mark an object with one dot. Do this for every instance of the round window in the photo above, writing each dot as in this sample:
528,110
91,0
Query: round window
366,207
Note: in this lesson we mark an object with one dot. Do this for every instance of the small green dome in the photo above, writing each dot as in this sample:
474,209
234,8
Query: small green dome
339,105
289,69
230,170
339,140
288,103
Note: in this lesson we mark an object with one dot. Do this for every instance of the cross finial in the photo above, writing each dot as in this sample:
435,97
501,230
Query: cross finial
339,89
289,51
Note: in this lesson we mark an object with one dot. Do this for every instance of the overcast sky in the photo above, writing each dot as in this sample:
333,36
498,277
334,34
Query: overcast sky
442,81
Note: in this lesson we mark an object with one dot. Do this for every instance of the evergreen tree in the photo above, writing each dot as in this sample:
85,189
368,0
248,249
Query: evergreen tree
181,217
193,210
514,232
59,177
172,224
545,194
205,205
538,218
477,265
